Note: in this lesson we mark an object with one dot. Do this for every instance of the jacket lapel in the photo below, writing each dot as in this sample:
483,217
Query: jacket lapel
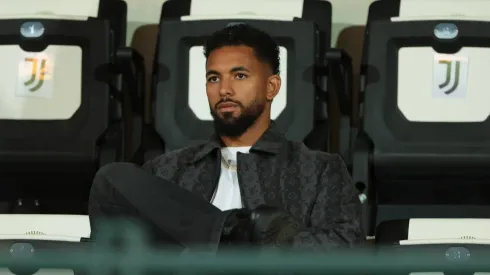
259,171
204,170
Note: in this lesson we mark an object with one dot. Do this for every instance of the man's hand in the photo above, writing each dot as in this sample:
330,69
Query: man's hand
272,227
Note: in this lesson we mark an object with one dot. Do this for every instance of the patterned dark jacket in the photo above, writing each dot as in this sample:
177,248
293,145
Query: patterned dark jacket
312,186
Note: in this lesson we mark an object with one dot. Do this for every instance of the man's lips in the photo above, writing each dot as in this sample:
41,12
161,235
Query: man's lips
227,106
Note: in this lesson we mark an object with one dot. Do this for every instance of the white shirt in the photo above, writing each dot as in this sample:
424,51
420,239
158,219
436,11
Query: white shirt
227,195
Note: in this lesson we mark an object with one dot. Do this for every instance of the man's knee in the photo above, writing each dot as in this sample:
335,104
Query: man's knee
109,188
116,169
110,176
117,172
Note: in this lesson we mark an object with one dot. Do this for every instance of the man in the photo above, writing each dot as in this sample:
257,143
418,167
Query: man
248,184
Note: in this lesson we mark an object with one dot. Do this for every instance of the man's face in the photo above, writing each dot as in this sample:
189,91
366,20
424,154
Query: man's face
236,86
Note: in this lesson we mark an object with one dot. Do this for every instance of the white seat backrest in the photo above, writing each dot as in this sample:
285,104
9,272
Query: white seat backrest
447,88
43,85
434,87
274,10
260,8
43,16
85,8
441,229
50,227
434,8
413,10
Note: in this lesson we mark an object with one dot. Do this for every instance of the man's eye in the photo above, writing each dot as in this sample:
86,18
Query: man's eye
241,76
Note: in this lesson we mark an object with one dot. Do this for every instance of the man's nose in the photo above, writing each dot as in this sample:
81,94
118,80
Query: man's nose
226,88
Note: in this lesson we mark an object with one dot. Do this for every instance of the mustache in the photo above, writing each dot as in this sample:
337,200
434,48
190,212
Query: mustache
227,100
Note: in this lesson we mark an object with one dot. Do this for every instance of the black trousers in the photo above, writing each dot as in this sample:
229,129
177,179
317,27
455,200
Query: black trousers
171,215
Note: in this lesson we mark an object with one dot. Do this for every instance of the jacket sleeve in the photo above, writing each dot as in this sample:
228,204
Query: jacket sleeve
335,220
164,166
149,166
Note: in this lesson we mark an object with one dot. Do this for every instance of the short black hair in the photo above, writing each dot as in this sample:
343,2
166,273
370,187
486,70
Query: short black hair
264,46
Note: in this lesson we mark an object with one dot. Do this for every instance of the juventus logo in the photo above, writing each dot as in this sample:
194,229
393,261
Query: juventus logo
449,75
38,73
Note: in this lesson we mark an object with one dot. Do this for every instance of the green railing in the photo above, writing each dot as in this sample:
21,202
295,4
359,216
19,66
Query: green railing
137,256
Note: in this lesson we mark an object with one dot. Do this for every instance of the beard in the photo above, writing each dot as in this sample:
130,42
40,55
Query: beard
229,126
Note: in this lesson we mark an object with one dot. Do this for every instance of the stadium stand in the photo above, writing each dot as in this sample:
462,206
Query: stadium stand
60,88
183,119
424,149
144,42
457,243
433,231
25,236
351,40
116,11
60,138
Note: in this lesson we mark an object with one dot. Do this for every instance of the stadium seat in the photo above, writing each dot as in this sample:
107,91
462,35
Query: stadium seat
116,11
433,231
113,10
424,149
183,119
24,236
59,87
459,242
57,92
351,39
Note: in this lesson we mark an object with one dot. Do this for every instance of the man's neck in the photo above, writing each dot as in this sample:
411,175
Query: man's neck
250,137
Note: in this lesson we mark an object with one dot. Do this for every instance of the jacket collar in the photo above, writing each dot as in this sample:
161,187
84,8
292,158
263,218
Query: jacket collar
270,142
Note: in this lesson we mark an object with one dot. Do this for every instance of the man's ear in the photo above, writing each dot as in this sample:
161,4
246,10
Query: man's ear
273,86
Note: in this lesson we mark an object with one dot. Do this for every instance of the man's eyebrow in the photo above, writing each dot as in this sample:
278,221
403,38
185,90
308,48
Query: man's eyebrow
238,69
210,72
233,70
